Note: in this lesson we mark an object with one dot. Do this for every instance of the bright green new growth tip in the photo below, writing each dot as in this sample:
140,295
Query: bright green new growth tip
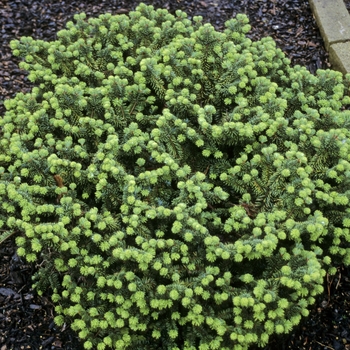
181,188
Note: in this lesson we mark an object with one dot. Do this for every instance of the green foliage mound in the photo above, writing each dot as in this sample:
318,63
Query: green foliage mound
178,187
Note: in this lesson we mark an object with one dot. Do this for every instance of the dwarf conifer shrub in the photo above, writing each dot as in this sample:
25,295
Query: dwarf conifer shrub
178,187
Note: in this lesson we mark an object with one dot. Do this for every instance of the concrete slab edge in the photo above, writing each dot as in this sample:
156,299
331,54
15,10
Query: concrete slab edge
333,20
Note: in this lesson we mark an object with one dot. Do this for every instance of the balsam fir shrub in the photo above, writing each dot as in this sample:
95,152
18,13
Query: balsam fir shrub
177,187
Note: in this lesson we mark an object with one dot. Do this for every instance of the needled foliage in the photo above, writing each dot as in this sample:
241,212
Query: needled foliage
178,187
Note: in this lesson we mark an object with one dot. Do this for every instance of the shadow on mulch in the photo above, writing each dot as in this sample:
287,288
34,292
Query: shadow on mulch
26,320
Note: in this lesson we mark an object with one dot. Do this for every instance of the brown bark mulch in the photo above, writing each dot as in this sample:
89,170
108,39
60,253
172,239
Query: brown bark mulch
26,320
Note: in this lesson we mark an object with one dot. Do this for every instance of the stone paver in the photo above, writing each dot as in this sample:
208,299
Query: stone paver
339,54
333,21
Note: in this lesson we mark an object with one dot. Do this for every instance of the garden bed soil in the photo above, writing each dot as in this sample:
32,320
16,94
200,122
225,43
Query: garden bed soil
26,320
